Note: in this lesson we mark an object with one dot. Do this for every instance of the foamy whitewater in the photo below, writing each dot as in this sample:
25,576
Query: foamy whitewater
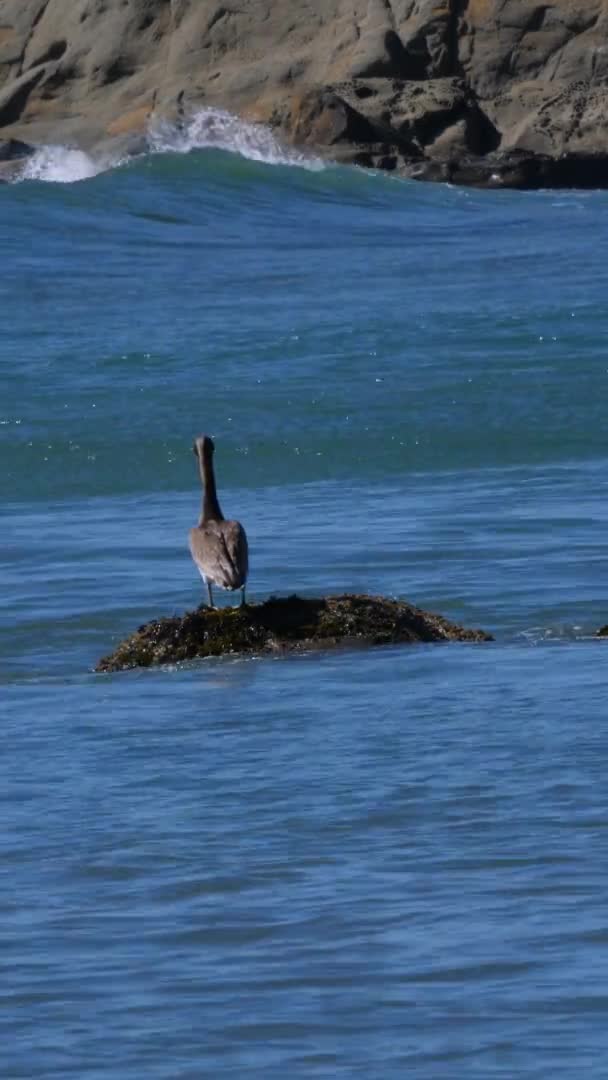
354,865
206,129
60,165
219,130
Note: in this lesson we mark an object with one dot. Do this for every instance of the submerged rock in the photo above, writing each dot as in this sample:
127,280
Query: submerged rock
283,624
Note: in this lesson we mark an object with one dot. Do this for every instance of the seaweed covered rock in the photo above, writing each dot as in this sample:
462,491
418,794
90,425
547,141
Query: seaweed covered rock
282,624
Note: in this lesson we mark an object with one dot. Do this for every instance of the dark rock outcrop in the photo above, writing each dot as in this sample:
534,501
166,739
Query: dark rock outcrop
282,625
509,92
13,153
15,150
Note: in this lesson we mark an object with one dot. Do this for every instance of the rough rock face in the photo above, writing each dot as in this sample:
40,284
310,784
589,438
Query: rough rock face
282,625
437,88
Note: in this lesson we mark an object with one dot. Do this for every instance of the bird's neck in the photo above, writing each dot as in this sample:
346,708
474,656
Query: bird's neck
211,508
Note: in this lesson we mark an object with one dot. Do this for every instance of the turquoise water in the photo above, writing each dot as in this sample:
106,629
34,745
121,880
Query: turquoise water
348,865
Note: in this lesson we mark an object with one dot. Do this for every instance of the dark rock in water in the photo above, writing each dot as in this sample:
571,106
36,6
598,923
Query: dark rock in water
602,632
283,624
13,154
15,150
516,169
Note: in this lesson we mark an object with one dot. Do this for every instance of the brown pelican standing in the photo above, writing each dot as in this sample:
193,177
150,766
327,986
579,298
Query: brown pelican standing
219,547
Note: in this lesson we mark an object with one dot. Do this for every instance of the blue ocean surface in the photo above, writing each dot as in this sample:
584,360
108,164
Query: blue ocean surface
342,865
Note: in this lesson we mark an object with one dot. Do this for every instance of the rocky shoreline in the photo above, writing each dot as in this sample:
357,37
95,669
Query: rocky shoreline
280,625
489,93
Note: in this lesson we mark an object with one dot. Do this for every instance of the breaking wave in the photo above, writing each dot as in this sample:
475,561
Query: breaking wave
219,130
206,129
61,165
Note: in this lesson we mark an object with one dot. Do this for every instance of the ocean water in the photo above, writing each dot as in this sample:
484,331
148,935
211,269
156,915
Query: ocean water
355,864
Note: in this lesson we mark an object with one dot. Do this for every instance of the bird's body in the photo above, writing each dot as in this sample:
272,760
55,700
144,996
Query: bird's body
219,547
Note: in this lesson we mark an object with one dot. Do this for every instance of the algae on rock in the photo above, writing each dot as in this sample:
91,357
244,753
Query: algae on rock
282,624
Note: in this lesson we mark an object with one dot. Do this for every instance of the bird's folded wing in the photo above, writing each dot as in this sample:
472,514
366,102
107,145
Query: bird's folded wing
219,549
235,560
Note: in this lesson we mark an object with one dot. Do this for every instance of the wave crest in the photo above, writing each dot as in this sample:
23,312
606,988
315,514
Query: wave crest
220,130
207,129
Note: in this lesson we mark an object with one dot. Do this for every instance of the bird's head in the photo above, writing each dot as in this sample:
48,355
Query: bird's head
203,446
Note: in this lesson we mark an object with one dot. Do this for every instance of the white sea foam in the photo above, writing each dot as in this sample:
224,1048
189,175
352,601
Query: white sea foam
205,129
220,130
60,165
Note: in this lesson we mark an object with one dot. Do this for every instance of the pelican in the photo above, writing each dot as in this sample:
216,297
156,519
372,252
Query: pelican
219,547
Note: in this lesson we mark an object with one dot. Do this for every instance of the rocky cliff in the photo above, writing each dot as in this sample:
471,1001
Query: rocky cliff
499,92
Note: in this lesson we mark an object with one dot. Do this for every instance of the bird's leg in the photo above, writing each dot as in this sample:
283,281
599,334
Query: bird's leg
211,604
243,604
